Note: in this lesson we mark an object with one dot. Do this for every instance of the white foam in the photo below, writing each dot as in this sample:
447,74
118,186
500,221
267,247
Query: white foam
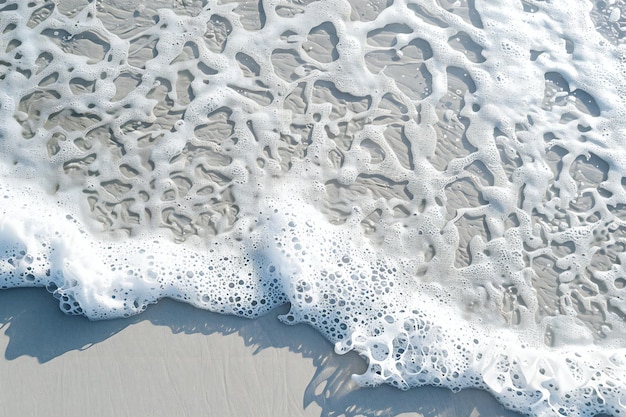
438,187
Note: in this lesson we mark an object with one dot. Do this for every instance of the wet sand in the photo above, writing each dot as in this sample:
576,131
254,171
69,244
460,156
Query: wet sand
177,360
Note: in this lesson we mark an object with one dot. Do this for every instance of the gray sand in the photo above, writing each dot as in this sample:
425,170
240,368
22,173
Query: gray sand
177,360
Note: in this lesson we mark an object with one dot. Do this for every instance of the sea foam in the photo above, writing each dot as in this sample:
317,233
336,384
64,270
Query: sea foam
437,185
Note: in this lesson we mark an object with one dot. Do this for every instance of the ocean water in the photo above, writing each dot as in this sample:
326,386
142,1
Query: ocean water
438,185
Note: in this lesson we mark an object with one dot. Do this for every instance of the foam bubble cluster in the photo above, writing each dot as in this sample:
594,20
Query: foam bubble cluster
437,185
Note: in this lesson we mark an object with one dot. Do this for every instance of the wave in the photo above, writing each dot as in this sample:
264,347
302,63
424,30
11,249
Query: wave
435,185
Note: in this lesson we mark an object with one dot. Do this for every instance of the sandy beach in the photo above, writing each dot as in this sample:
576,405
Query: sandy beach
437,185
177,360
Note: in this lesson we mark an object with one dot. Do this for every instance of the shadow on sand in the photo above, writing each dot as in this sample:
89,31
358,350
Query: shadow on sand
33,322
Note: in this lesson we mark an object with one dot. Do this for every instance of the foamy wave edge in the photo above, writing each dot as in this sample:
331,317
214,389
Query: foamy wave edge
414,340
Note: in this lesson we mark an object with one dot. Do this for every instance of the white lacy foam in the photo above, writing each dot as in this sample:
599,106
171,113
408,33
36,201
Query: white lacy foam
437,186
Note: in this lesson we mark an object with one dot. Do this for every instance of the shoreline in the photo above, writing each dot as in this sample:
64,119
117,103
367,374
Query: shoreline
175,359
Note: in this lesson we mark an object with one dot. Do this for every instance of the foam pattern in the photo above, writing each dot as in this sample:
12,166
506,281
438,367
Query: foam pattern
438,185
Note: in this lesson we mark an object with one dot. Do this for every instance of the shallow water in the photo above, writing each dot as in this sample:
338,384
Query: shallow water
437,185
